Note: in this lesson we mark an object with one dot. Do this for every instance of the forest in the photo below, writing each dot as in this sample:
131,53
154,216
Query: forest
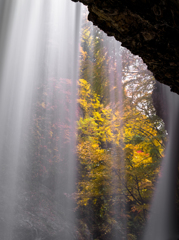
119,144
117,121
88,137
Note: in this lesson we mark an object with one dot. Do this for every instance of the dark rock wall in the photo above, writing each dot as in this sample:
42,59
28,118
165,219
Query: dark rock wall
148,28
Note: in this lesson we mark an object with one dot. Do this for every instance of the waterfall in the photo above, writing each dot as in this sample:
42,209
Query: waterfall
162,222
39,43
39,49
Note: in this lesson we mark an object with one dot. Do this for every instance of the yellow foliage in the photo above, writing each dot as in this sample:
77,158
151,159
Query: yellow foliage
43,104
135,153
51,133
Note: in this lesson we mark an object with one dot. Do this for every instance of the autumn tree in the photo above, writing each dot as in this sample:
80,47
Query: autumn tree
98,55
120,151
98,130
144,139
103,180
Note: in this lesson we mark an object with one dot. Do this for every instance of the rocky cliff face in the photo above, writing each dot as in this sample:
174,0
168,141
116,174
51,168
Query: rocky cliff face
148,28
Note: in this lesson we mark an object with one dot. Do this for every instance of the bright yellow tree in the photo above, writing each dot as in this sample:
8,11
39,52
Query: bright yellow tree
118,159
98,131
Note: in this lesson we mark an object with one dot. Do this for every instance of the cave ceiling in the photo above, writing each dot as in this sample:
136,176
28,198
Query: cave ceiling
148,28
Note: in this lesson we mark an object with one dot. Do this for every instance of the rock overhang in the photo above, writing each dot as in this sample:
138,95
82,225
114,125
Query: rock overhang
147,28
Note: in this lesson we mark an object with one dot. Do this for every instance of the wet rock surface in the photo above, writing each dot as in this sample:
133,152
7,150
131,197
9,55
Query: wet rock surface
147,28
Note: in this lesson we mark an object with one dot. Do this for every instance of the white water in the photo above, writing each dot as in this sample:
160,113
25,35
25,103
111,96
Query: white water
38,42
162,224
39,49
